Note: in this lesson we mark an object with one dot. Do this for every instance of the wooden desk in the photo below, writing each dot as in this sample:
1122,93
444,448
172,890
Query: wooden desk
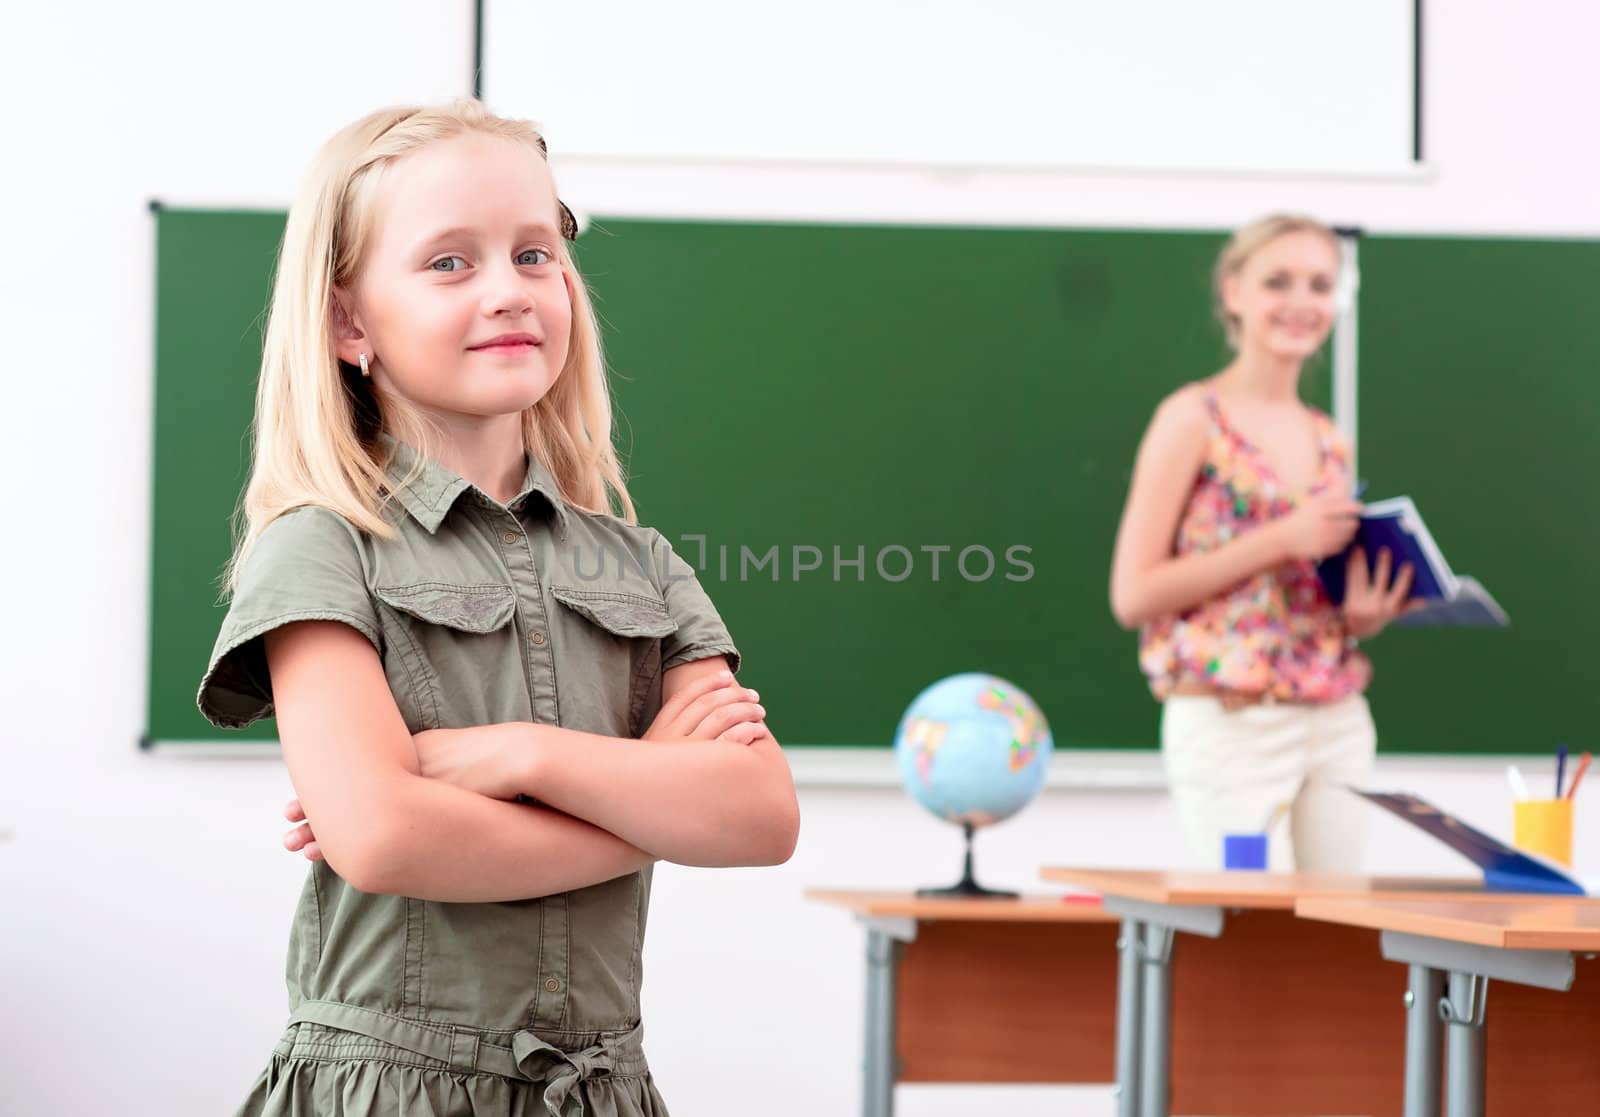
1542,1041
1250,1022
983,990
1257,891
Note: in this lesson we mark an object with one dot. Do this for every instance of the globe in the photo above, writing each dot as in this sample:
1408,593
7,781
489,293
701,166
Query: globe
973,750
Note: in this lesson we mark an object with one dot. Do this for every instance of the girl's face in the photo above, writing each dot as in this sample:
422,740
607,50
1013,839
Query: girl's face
462,306
1283,297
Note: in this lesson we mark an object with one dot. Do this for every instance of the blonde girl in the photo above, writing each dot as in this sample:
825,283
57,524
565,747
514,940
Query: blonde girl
1238,489
501,700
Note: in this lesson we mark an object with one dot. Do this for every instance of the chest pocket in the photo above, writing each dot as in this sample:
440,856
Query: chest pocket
610,648
452,656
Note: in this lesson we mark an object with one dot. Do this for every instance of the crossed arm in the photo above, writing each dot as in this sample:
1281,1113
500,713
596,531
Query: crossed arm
433,816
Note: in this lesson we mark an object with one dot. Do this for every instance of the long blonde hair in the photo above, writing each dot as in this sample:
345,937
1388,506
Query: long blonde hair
1245,243
315,436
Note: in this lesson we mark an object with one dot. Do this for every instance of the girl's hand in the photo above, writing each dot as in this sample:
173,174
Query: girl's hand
490,760
1322,525
714,707
488,768
1371,603
300,837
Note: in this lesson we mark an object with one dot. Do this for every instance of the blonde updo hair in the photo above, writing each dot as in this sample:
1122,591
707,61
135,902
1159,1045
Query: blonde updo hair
317,420
1245,243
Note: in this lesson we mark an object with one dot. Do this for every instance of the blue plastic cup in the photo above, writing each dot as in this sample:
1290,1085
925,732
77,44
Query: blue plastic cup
1244,851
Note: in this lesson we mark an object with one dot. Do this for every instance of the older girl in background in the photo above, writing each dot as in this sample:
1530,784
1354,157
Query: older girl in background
1238,490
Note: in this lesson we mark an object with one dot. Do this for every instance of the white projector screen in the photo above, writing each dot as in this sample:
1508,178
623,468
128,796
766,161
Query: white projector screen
1226,85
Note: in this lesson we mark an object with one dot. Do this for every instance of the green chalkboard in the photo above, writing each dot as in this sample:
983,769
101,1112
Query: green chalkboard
1480,399
897,394
213,278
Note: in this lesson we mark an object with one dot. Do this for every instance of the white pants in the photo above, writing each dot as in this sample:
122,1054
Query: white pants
1228,769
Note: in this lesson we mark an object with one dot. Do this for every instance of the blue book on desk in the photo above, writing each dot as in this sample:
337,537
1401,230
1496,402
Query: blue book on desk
1504,869
1451,599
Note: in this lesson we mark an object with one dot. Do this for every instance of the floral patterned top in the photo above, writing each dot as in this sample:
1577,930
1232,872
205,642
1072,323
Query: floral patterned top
1276,634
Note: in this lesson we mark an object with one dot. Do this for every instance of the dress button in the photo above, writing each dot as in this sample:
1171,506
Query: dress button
508,536
537,638
552,985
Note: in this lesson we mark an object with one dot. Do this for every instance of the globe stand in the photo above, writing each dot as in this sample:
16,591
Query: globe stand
968,887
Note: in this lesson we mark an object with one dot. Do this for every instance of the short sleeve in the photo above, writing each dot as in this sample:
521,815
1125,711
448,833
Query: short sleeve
305,566
701,633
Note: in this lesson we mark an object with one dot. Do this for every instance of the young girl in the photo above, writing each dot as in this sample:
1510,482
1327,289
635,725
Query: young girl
500,703
1238,489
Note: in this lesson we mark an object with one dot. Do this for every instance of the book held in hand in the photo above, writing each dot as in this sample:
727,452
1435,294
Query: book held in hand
1450,599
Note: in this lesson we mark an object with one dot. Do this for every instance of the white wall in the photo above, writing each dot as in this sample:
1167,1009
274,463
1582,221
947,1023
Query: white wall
730,81
1505,97
146,900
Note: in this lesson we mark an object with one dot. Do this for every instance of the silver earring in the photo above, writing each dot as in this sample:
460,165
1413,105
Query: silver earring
365,371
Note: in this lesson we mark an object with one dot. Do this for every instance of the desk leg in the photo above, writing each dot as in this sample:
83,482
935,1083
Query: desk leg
1463,1011
1130,994
1424,997
1155,1085
882,959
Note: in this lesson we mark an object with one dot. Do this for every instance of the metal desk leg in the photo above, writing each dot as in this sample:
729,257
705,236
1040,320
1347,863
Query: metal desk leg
1144,1038
882,958
1463,1011
1155,1085
1471,967
1423,1041
1130,995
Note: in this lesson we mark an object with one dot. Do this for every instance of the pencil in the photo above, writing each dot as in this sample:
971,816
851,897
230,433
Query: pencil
1583,766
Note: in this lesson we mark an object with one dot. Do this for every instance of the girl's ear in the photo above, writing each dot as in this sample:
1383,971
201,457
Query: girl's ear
350,340
1230,294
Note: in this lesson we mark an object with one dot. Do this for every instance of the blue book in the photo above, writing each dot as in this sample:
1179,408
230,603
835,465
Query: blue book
1451,599
1504,869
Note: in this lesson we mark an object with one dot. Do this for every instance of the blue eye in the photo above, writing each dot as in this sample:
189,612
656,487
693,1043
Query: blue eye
522,257
444,260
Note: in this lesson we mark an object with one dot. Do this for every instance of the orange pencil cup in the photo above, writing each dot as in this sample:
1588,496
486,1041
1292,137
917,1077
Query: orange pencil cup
1543,826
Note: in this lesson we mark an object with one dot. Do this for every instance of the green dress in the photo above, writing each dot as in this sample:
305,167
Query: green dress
483,613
